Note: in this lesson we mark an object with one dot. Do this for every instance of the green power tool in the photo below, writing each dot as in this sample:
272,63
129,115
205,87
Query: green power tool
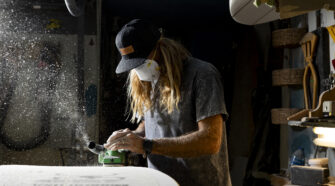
109,157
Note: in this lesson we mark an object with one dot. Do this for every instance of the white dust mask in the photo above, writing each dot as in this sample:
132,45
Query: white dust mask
149,71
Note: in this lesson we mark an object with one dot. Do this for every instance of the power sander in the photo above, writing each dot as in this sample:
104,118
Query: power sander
113,158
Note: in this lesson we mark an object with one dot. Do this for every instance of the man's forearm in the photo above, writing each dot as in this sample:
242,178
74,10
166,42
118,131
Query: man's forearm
205,141
202,142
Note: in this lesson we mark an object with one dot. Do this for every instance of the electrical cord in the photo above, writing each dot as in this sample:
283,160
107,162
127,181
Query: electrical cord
49,57
35,141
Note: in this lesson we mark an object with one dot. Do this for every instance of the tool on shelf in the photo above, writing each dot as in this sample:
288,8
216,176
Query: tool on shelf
323,114
308,45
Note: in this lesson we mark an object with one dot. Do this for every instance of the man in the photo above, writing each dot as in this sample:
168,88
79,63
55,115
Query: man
179,103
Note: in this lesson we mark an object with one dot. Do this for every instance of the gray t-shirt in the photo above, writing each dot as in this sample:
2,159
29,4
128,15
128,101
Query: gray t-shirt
201,97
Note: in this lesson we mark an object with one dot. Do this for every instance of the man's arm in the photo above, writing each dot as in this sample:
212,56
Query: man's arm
206,140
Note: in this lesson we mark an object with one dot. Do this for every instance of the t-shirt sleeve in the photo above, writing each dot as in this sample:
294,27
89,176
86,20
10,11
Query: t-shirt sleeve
209,96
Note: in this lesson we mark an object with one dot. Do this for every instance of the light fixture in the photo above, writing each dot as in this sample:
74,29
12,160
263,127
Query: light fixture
326,136
37,7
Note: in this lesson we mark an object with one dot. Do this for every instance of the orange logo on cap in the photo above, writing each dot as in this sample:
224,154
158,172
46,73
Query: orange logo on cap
127,50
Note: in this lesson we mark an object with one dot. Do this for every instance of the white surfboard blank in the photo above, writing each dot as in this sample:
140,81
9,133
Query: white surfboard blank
17,175
245,12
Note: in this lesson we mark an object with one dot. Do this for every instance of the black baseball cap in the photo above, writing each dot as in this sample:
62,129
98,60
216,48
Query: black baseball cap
135,41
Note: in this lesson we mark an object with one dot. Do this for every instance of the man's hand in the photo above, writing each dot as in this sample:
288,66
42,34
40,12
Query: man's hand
125,139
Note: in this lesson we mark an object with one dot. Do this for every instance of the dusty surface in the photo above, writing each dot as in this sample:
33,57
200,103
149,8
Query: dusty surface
12,175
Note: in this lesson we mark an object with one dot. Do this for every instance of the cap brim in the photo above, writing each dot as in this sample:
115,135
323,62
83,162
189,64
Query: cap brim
129,64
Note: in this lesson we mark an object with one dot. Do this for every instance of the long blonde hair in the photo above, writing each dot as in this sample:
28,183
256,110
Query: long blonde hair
170,57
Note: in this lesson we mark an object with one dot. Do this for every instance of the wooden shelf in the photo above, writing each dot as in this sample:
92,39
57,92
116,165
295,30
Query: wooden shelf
312,124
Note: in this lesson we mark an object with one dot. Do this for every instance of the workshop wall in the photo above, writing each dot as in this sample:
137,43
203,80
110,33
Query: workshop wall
250,163
326,19
302,137
293,138
73,116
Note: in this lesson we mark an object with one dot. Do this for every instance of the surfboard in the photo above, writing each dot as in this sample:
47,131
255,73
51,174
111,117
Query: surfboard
245,12
18,175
